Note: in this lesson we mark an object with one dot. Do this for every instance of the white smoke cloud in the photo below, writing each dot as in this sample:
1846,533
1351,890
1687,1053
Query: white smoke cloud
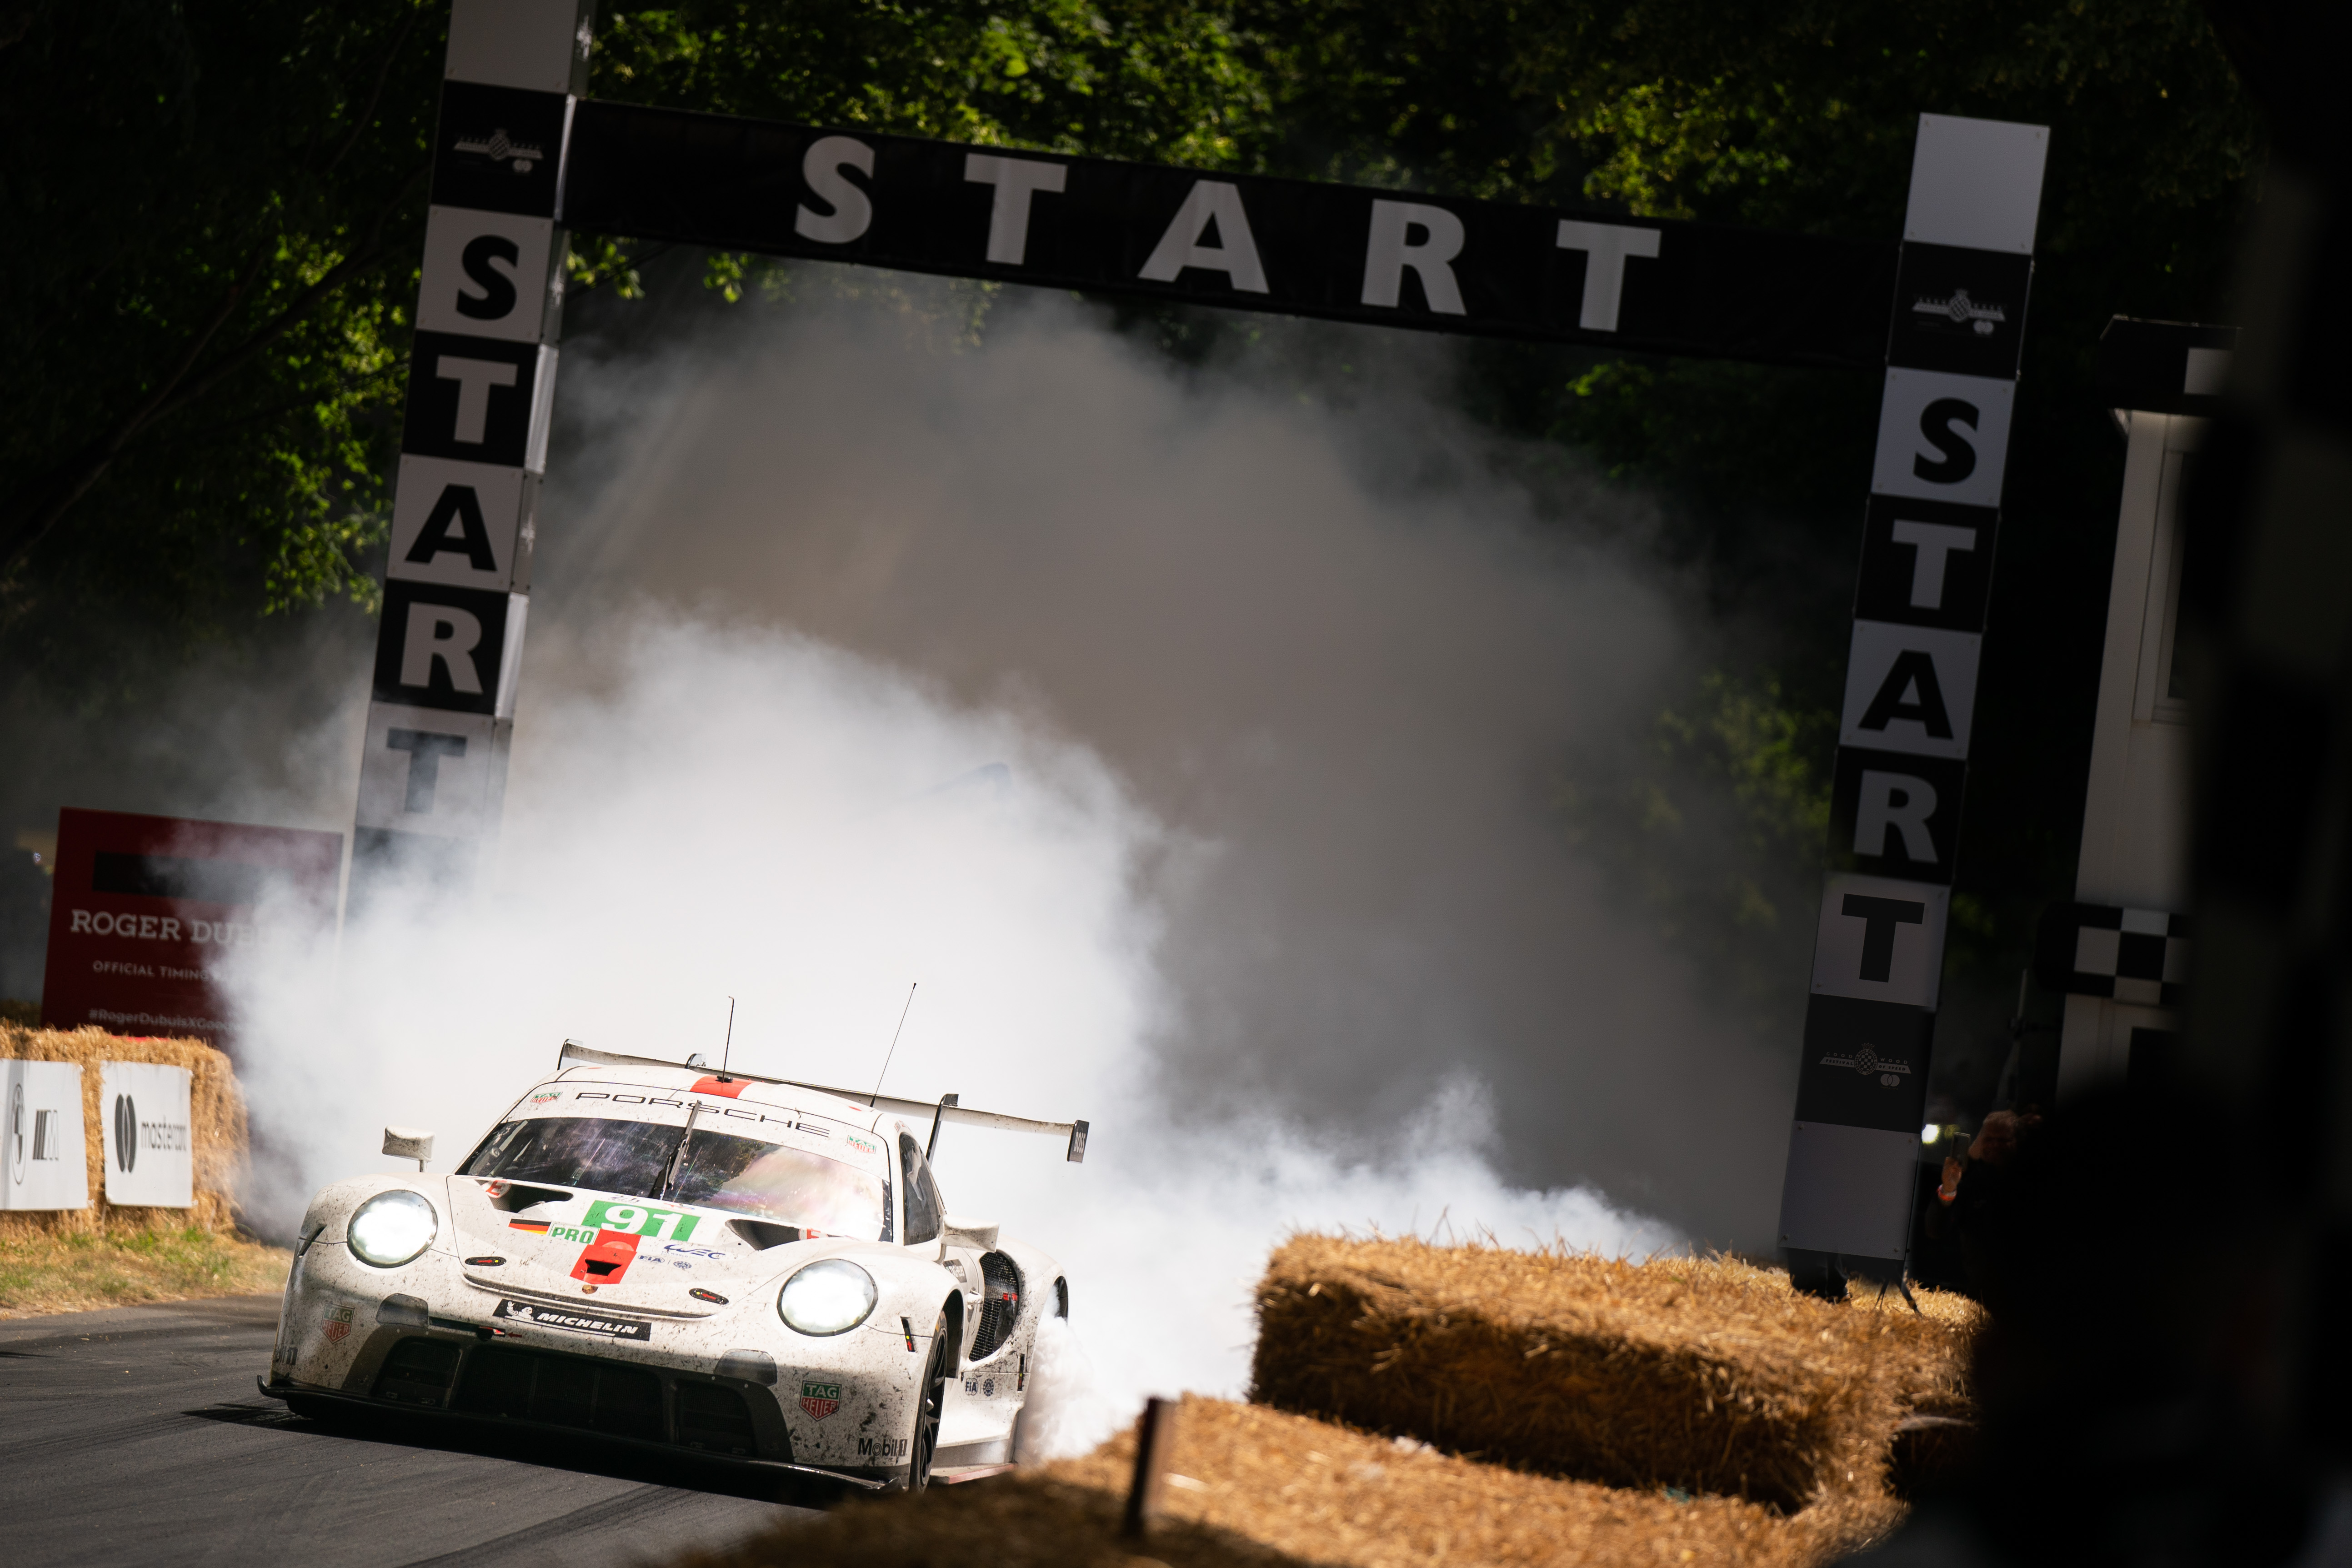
1182,738
745,812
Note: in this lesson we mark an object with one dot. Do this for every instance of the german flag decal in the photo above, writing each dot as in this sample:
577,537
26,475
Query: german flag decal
536,1226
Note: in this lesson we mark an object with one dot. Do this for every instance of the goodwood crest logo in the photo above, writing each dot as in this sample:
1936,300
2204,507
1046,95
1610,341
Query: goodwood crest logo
501,149
1866,1061
1956,308
820,1399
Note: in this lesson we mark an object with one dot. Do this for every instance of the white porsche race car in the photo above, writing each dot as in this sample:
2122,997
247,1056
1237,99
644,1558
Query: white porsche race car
661,1255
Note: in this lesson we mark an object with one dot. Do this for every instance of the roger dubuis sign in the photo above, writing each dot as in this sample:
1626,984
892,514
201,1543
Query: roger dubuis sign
147,913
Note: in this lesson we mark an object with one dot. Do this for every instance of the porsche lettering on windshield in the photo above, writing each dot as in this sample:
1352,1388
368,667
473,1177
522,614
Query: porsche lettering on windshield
675,1168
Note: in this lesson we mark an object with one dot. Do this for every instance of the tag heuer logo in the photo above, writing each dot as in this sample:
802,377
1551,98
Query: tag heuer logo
820,1399
1956,308
499,148
1867,1061
339,1323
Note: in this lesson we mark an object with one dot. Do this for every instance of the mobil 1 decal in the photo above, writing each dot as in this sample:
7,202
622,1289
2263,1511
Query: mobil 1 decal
1909,688
465,524
447,648
1896,813
1866,1064
1881,939
1926,564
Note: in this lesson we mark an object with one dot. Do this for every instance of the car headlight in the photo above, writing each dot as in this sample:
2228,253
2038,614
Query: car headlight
392,1227
832,1296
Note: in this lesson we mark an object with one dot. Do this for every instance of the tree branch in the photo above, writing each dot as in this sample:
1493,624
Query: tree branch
384,73
55,497
76,477
343,271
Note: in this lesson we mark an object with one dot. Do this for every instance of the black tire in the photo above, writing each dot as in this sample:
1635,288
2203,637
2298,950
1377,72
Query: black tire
923,1446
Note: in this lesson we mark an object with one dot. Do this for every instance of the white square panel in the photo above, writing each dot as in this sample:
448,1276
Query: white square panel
144,1122
1881,939
43,1159
1909,688
1848,1189
1975,183
518,43
455,522
427,771
1942,437
485,274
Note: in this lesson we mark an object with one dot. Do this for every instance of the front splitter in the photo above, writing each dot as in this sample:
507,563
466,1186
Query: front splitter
287,1392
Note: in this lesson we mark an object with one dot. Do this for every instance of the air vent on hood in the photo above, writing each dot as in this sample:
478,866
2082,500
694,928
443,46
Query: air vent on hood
763,1235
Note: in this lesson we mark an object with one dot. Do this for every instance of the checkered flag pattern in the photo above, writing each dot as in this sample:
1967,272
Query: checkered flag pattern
2139,956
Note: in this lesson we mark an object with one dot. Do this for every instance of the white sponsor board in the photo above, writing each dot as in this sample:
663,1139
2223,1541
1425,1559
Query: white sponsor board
144,1121
40,1122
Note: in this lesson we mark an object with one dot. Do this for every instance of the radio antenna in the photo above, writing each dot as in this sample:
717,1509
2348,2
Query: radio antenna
729,1047
894,1045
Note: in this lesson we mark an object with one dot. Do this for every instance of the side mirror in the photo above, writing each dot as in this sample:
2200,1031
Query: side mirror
408,1143
978,1233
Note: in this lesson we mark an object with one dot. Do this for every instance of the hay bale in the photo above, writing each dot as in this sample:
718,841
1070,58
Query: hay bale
218,1126
1264,1487
1709,1375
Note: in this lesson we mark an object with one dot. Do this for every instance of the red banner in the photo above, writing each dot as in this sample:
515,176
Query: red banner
147,912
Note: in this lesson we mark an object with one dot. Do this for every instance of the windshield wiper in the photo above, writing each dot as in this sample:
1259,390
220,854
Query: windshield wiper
678,1156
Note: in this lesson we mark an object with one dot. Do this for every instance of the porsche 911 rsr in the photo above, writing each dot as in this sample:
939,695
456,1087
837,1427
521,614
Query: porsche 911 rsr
721,1263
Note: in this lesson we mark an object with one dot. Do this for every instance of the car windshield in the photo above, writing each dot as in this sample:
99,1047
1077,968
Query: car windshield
743,1175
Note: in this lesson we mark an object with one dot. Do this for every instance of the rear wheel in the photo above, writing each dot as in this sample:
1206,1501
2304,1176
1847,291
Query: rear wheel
924,1446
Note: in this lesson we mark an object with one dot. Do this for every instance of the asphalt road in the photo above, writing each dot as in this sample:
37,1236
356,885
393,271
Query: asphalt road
136,1436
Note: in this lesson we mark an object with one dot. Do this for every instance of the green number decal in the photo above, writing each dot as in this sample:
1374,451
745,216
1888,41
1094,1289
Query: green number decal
666,1225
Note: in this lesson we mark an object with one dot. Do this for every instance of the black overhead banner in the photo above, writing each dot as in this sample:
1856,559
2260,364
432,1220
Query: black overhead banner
1396,257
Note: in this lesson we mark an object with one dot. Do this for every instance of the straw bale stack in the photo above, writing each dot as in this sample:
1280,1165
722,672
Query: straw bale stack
217,1128
1703,1374
1263,1487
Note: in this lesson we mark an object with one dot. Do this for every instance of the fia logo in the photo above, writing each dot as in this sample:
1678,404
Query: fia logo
1957,307
499,149
1891,1072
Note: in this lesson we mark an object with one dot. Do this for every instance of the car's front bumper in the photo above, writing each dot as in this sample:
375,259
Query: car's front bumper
420,1339
323,1400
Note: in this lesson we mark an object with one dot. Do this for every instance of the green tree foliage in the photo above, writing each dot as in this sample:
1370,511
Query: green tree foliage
214,213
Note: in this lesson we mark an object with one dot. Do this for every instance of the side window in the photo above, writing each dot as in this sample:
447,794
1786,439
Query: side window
924,1209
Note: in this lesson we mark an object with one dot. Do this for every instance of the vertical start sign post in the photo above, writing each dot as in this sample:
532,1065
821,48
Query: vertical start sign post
1952,354
481,381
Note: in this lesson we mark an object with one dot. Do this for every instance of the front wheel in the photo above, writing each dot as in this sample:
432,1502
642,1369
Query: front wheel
924,1445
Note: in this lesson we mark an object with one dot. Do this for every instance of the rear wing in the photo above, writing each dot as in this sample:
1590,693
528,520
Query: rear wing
942,1111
